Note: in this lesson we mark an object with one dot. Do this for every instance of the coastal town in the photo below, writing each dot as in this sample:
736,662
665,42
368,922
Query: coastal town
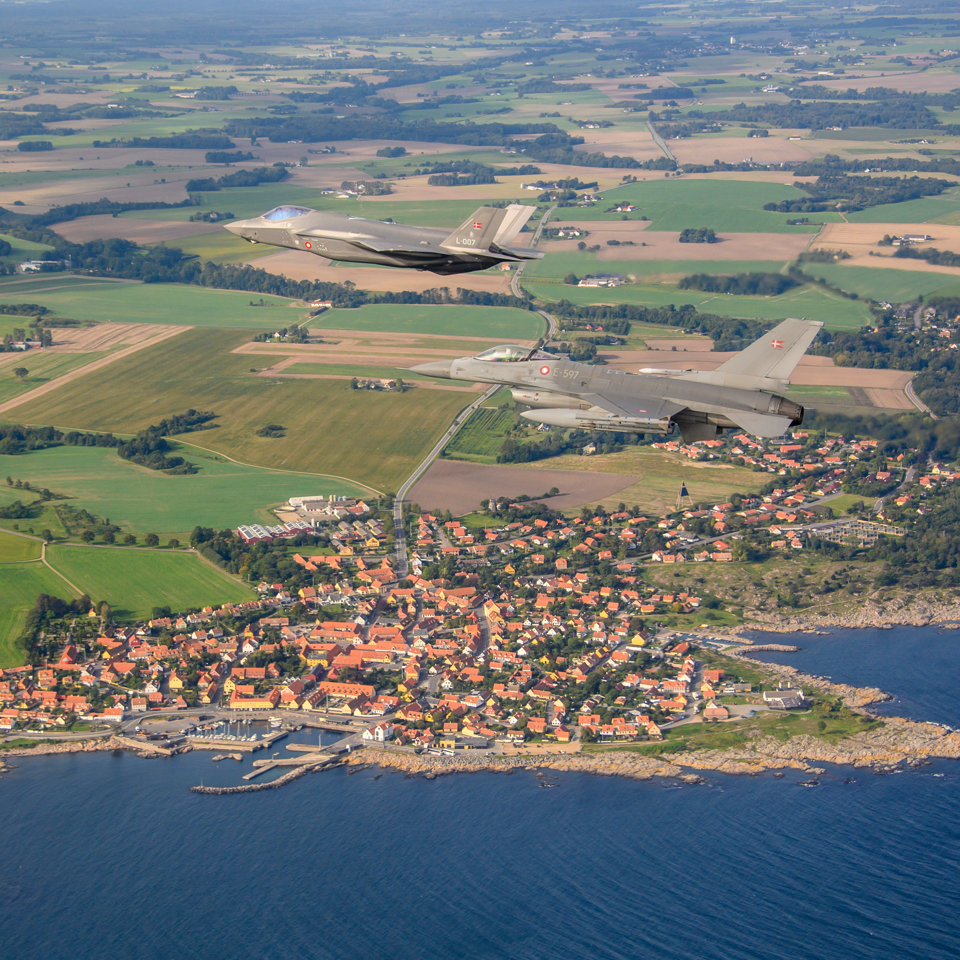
517,629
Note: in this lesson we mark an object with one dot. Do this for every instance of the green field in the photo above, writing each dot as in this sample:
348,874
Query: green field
135,581
732,206
896,286
811,302
944,208
14,549
557,264
482,436
500,323
162,303
221,247
43,367
222,495
372,437
351,370
20,584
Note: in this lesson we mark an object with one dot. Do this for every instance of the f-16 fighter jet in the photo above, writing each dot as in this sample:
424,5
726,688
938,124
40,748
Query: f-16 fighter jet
742,393
482,240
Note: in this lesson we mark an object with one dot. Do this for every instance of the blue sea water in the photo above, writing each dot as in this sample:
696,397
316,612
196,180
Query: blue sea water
110,856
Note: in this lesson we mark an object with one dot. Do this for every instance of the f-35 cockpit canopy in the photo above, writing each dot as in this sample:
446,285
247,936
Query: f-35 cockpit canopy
512,353
285,213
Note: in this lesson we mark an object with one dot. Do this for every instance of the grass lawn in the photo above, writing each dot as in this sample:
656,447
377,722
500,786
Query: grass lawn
732,206
840,505
501,323
222,495
374,438
163,303
43,367
836,312
135,581
896,286
20,584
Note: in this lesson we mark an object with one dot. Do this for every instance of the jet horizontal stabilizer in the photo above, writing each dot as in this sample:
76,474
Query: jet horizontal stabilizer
760,424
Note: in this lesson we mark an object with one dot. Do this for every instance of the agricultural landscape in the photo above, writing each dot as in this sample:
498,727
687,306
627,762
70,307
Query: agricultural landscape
696,177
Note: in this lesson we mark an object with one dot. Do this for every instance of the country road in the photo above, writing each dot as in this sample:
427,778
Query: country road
400,534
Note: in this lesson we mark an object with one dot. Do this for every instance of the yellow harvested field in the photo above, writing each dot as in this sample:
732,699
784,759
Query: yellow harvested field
38,198
889,399
139,231
303,266
102,336
867,235
666,245
772,149
696,344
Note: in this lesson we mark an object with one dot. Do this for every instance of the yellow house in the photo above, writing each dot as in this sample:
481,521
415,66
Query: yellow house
176,682
229,685
373,542
210,694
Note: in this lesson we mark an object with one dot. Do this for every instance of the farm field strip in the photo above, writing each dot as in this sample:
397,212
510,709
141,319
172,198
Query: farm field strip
87,369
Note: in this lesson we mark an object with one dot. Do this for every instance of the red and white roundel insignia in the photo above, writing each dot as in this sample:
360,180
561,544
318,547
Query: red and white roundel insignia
308,244
544,371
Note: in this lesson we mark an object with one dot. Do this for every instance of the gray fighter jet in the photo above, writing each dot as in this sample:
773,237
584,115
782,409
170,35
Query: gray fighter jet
481,241
741,393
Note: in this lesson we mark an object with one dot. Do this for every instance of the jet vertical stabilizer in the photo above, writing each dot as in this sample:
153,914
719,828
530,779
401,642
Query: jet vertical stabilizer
776,354
489,230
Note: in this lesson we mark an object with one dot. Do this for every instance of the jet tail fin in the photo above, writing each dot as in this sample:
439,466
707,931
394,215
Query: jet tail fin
489,227
777,353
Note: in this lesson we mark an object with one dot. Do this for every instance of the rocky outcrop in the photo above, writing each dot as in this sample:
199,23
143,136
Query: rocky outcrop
72,746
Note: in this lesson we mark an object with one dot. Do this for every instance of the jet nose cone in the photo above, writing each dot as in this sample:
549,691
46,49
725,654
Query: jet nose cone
436,368
240,227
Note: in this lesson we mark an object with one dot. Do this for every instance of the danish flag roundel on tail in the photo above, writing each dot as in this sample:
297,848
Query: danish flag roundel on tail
777,344
477,224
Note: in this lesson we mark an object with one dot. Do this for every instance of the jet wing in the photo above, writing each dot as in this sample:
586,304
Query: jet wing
650,408
376,245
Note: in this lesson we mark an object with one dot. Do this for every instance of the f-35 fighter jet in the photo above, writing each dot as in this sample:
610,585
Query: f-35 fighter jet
741,393
481,241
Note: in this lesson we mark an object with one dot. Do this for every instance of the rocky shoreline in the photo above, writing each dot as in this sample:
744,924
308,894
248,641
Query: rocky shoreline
915,612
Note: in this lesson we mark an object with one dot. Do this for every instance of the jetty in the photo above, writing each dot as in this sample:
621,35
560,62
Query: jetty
302,769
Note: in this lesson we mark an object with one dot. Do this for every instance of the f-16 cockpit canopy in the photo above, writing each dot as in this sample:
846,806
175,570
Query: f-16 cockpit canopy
511,353
286,213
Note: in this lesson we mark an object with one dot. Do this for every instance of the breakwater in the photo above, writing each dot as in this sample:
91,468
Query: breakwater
282,781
